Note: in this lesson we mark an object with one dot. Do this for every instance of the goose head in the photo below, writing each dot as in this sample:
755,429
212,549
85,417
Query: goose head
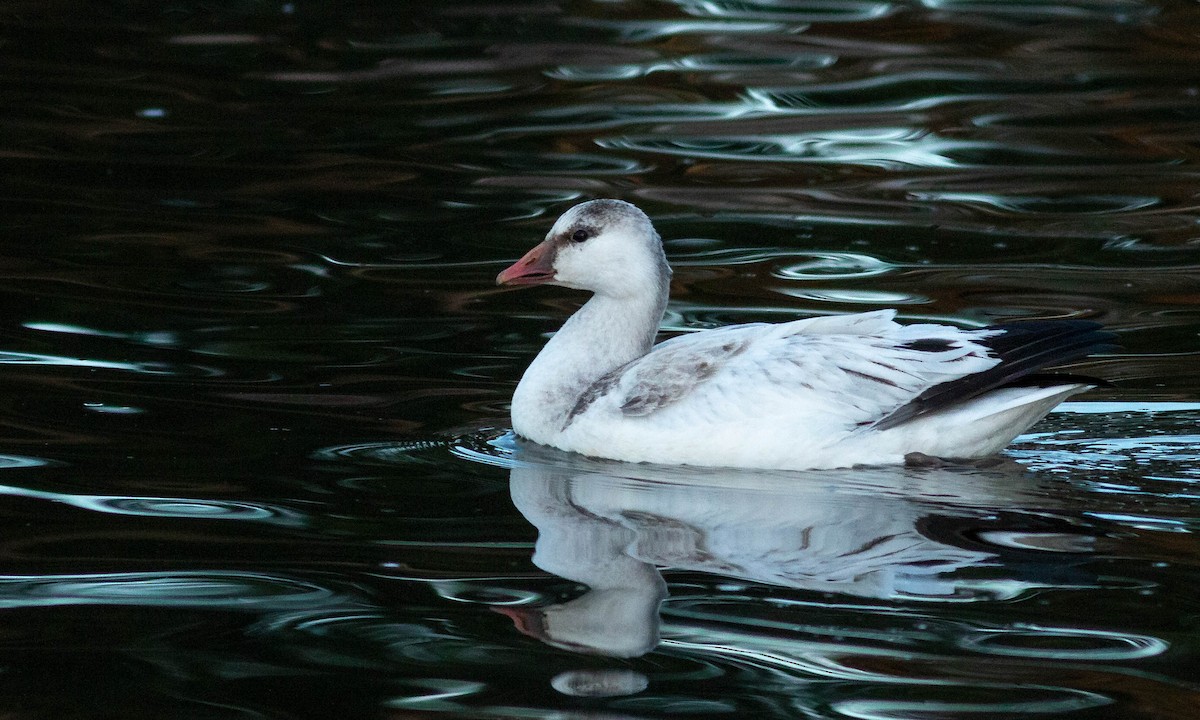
606,246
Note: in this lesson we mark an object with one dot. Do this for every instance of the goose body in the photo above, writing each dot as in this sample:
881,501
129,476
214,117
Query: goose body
815,393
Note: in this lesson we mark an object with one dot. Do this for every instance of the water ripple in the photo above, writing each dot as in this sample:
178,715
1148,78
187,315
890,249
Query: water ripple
385,453
892,148
211,590
1124,447
804,11
835,266
487,446
1124,11
882,147
436,695
165,507
633,30
730,68
855,297
1085,645
1056,701
22,358
390,642
8,462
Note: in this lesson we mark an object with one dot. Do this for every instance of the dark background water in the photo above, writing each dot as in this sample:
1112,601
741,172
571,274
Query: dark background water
254,372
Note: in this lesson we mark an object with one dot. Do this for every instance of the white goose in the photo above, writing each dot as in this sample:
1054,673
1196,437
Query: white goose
817,393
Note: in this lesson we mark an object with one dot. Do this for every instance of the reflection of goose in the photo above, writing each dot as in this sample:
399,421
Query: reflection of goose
610,526
821,392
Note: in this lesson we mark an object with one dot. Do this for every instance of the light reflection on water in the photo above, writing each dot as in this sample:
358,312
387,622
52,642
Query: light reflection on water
247,267
161,507
224,590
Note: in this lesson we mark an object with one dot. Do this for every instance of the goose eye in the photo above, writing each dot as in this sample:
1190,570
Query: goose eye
580,235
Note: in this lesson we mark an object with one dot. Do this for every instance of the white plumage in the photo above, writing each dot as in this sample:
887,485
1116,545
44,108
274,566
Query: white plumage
816,393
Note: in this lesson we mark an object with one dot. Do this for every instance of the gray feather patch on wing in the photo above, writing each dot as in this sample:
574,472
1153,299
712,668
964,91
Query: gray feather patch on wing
658,379
593,393
665,376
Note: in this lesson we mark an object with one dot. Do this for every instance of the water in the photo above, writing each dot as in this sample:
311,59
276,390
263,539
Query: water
254,459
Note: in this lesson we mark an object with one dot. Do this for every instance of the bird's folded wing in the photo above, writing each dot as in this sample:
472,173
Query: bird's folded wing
856,368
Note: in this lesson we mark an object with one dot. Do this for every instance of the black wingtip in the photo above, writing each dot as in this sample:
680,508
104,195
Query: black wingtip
1024,348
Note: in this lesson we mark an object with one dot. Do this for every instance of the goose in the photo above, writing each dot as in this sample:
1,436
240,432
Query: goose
822,392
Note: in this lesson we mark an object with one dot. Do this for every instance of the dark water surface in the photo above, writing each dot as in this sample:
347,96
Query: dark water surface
254,374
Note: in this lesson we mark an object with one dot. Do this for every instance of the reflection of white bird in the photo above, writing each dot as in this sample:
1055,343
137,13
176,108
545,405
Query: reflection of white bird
820,392
611,526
